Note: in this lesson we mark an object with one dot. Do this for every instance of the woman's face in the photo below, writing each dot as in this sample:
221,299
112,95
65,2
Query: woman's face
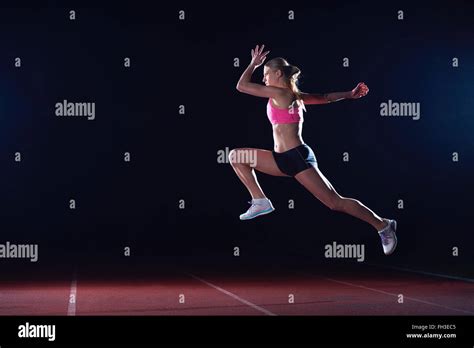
270,76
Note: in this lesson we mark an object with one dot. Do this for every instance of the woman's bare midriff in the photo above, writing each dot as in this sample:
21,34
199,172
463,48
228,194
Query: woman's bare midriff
287,136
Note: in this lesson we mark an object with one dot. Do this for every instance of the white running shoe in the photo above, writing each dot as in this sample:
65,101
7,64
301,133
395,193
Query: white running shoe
388,236
257,208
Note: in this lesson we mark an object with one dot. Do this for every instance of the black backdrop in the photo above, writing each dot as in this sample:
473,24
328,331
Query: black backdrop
174,156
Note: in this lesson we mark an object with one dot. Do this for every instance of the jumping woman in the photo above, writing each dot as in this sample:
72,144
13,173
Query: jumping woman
291,156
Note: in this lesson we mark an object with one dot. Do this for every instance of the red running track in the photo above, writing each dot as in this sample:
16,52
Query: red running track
365,291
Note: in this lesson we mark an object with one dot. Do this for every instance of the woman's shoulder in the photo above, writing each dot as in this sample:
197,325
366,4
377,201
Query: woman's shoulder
285,99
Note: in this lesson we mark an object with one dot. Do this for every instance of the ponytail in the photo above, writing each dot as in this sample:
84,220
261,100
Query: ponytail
293,73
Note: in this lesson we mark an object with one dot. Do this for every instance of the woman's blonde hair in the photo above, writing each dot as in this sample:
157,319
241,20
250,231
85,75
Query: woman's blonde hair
291,74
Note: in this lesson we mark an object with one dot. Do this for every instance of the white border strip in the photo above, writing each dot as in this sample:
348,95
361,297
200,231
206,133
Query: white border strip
228,293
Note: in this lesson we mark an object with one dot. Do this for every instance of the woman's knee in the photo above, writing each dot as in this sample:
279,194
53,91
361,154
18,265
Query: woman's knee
233,156
237,157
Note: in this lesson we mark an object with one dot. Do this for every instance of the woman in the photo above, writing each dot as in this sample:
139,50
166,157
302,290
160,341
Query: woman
291,157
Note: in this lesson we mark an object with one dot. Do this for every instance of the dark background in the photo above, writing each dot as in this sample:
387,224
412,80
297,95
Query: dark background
174,156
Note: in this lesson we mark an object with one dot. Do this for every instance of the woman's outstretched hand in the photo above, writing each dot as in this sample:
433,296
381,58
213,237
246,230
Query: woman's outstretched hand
257,56
359,91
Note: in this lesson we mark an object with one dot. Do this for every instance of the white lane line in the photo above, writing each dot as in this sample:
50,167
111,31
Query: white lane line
425,273
396,295
234,296
71,308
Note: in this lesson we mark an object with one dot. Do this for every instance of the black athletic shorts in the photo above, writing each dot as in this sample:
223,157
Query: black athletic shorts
295,160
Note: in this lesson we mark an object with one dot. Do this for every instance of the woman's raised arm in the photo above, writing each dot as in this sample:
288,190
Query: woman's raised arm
246,86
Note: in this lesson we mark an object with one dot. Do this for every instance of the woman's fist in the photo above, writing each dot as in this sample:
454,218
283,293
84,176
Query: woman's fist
359,91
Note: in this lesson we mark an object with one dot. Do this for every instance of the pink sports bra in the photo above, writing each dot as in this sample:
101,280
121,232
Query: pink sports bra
293,114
